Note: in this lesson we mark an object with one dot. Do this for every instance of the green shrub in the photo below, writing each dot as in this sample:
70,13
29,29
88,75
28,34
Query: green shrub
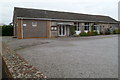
7,30
116,32
83,34
90,33
95,33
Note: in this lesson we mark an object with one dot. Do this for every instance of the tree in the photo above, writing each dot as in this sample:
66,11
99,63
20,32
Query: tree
72,30
7,30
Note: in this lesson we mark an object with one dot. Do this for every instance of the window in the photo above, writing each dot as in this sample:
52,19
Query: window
86,27
34,24
95,26
77,27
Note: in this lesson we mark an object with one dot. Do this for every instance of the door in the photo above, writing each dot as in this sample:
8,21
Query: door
62,30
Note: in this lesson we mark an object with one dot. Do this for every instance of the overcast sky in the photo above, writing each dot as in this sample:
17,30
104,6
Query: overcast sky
97,7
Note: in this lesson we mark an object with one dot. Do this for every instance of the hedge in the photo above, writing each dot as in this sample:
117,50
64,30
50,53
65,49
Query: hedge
83,34
7,30
94,33
116,32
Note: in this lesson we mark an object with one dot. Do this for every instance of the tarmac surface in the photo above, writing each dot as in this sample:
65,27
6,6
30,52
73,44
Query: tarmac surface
76,57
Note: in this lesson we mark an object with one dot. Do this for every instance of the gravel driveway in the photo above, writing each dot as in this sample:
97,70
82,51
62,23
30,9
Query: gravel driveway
90,57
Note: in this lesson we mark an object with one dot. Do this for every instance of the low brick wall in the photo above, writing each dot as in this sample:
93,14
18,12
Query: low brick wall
14,66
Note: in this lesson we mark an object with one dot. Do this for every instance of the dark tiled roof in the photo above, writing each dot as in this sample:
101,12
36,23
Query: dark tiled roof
38,13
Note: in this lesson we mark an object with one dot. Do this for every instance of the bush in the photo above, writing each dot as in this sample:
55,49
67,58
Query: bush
90,33
83,34
116,32
95,33
7,30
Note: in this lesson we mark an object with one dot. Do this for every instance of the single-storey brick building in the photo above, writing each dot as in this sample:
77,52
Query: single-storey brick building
37,23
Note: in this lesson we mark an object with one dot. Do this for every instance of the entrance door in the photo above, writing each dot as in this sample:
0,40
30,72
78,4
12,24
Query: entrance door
62,30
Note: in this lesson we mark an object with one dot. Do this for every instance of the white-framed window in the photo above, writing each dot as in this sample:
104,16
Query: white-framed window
34,24
95,26
86,27
77,27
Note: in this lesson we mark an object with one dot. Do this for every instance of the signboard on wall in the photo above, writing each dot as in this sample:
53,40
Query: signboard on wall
24,24
53,28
